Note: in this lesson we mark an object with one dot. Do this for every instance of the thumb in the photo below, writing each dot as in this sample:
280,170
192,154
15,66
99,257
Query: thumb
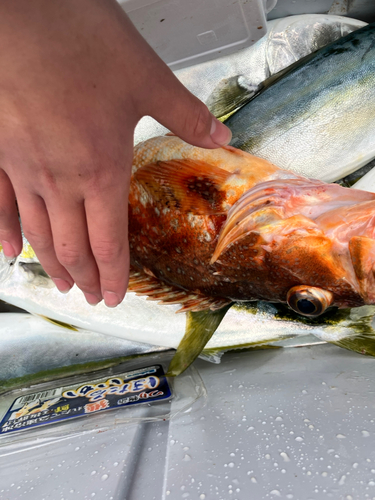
187,117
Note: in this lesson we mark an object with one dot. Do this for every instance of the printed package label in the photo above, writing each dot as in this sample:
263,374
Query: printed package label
138,386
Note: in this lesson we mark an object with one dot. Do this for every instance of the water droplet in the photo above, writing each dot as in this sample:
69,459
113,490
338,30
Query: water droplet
299,439
115,464
253,480
186,448
355,465
76,448
93,472
324,474
187,458
304,391
285,456
202,496
340,436
276,493
172,441
342,480
365,433
105,477
278,419
231,465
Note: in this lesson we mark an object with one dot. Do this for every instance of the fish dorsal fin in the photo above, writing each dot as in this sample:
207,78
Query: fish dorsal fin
200,326
186,185
145,284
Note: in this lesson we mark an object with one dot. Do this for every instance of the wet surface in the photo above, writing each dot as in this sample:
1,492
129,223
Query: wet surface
292,424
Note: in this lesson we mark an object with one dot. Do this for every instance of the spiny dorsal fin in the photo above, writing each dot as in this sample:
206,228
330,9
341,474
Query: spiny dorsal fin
200,326
187,185
145,285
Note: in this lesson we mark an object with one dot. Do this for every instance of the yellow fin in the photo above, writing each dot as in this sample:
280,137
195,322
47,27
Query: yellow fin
28,252
200,326
58,323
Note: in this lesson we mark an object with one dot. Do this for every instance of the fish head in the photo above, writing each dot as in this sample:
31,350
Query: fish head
302,242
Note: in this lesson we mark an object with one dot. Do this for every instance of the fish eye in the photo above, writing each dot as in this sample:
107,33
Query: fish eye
309,301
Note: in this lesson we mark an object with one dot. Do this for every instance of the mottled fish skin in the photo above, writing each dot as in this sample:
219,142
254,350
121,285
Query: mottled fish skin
268,232
320,116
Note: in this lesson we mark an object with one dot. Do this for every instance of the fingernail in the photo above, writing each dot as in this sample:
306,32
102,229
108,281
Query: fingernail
8,250
62,285
220,133
111,299
92,299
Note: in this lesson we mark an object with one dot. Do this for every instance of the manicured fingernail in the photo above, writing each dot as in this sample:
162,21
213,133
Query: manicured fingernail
62,285
111,299
8,250
92,299
220,133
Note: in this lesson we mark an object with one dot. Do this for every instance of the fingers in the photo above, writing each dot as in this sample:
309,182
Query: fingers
107,220
81,240
185,115
72,246
37,229
10,232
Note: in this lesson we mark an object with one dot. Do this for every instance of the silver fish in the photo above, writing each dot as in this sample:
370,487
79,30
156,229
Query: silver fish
317,116
34,351
287,40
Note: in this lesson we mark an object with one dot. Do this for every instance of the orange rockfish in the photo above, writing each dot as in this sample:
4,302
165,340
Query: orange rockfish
209,227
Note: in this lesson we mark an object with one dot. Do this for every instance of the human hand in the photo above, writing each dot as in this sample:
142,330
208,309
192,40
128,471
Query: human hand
76,78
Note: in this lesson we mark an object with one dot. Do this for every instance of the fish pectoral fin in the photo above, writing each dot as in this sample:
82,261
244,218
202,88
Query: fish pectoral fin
58,323
229,95
234,93
200,326
188,185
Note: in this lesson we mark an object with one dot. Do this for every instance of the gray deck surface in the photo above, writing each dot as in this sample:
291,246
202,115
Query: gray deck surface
290,423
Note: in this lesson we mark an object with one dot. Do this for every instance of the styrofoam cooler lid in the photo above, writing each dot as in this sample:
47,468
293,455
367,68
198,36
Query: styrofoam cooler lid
189,32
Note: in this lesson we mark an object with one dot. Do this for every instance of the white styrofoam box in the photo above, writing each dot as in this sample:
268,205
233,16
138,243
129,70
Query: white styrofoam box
186,32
